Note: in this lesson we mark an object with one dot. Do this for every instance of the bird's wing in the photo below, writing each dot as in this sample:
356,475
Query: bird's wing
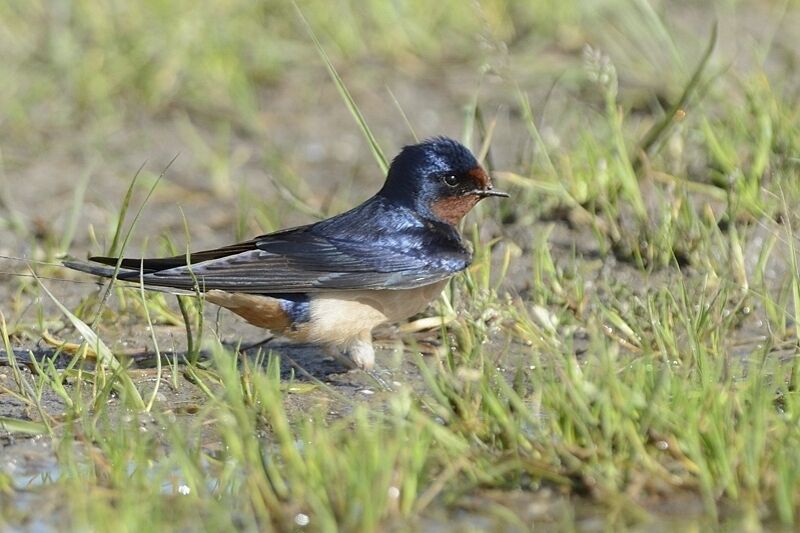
301,260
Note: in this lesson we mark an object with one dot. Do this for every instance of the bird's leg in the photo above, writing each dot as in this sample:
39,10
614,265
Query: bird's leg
362,353
339,353
359,353
356,352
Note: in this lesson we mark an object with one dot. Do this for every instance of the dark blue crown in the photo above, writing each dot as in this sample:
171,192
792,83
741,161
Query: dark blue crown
417,163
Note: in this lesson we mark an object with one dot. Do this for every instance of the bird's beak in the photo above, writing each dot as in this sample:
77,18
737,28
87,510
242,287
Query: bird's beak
483,193
483,181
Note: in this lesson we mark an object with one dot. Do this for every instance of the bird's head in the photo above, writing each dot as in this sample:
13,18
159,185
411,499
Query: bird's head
439,178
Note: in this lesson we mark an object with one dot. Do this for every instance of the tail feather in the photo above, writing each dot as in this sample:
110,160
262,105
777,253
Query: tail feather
145,265
124,274
163,263
96,270
130,269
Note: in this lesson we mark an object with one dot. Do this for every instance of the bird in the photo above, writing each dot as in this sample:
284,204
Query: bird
330,283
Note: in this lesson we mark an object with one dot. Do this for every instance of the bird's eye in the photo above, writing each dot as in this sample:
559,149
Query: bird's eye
450,181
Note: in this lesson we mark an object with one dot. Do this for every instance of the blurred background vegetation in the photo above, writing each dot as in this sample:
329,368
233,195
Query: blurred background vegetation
92,90
75,62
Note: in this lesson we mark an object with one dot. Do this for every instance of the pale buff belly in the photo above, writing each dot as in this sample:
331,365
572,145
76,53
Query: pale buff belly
340,316
336,317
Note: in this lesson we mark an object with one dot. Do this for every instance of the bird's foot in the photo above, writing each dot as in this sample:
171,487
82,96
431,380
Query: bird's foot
359,354
375,375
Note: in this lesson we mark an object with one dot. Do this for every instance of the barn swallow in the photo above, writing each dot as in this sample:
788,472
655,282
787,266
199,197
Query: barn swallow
331,282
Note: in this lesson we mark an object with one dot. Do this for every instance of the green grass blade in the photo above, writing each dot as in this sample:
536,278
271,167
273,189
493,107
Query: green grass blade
15,425
104,355
656,132
77,206
126,202
403,114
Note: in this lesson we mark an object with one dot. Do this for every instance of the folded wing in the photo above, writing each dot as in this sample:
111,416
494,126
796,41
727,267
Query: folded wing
301,260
